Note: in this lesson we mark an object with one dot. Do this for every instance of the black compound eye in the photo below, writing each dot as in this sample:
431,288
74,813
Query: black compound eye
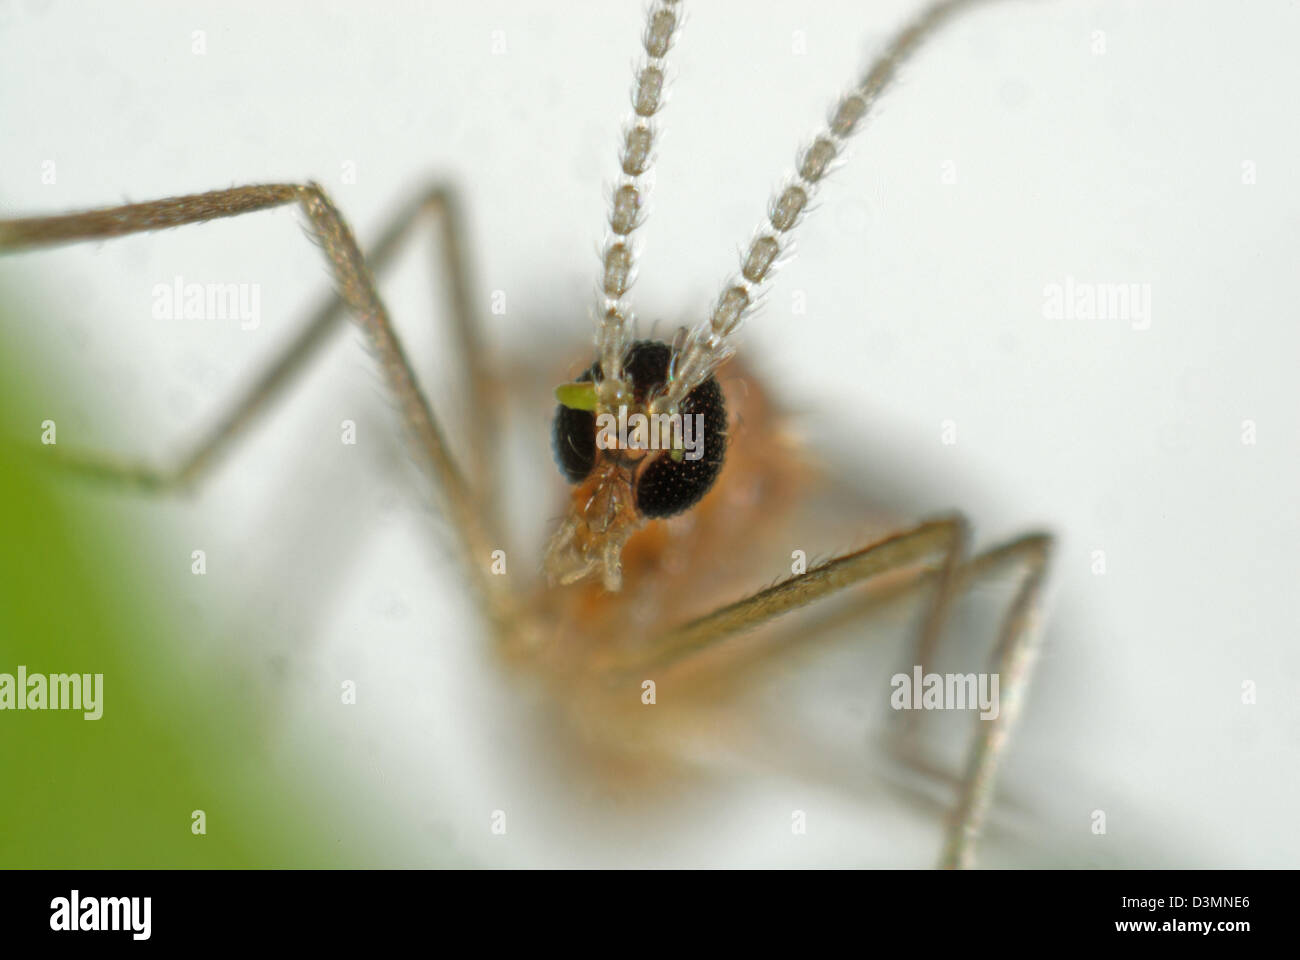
669,486
666,486
573,439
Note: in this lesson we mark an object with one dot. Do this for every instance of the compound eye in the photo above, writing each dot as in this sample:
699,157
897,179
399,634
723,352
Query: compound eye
573,434
670,485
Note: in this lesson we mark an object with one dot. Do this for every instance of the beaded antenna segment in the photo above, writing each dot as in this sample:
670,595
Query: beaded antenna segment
700,351
614,334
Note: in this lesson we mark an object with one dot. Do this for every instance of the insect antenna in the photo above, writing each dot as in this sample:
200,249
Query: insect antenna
614,333
705,347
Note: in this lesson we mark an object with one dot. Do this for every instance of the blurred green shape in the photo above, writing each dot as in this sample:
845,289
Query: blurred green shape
176,734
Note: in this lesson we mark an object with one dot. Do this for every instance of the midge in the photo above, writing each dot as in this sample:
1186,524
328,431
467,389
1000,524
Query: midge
640,579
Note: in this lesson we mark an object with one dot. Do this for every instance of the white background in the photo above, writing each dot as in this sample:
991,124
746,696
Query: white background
925,304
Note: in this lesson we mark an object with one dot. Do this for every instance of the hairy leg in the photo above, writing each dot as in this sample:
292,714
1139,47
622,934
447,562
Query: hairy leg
929,551
355,289
1013,660
932,539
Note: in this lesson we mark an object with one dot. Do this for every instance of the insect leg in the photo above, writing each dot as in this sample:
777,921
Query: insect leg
355,289
933,539
1013,660
938,540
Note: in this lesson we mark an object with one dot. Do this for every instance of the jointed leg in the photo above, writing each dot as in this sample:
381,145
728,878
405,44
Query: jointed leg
941,540
947,586
437,203
355,288
1012,662
936,538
